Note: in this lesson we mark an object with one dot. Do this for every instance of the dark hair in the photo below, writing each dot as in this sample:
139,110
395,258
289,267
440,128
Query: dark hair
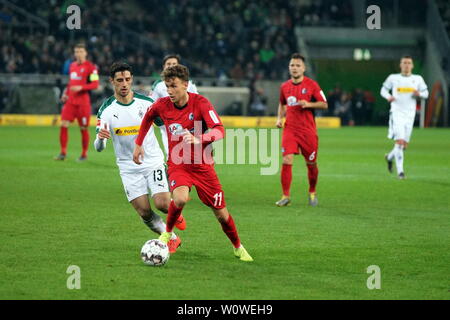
298,56
119,67
178,71
80,45
406,56
171,56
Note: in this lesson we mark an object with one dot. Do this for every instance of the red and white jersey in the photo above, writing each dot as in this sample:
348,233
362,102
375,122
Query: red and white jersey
197,116
85,75
298,118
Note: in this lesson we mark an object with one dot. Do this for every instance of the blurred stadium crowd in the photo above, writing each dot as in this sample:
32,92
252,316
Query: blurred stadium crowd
209,38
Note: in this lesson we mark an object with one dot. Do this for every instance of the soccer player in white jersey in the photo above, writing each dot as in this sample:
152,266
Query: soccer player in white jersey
402,90
119,118
159,90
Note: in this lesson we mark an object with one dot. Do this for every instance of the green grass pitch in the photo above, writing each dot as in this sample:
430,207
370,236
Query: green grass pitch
57,214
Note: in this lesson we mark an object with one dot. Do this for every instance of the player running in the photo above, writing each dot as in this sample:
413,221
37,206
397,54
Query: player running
190,159
159,90
119,118
406,89
299,96
83,78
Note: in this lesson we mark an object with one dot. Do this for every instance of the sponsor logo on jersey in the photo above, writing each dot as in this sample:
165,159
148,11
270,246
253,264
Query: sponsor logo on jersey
176,129
292,101
74,76
191,116
127,131
405,89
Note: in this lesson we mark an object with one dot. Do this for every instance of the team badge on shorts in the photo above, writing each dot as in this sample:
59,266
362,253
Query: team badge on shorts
191,116
173,183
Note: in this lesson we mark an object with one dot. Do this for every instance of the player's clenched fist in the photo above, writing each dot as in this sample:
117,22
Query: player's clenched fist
279,123
189,138
138,154
104,132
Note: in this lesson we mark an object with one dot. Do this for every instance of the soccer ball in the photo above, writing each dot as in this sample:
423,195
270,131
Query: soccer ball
155,253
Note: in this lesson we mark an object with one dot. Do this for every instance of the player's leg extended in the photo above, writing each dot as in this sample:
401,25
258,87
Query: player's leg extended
180,196
229,228
157,183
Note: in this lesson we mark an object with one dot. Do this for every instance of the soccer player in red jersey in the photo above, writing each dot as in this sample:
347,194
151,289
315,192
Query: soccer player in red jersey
299,96
83,78
187,117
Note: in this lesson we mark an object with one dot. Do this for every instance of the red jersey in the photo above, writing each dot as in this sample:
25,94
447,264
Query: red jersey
197,116
298,118
85,75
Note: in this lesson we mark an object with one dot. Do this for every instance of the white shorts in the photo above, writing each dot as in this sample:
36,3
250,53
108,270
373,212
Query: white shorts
138,183
400,129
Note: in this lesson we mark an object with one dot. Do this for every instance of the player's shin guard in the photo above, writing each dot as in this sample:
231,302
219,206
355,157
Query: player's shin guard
230,230
84,141
63,138
313,174
172,216
286,179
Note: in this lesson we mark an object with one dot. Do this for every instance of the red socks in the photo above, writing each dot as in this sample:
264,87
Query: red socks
172,216
63,137
286,178
84,141
313,174
230,230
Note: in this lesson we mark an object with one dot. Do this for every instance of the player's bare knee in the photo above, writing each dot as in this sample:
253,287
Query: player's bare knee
162,204
180,201
221,215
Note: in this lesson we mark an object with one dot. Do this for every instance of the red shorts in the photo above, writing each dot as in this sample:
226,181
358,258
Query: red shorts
293,141
205,180
82,113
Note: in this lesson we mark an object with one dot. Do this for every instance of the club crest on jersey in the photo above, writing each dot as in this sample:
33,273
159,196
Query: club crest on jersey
141,113
176,129
191,116
292,101
304,91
